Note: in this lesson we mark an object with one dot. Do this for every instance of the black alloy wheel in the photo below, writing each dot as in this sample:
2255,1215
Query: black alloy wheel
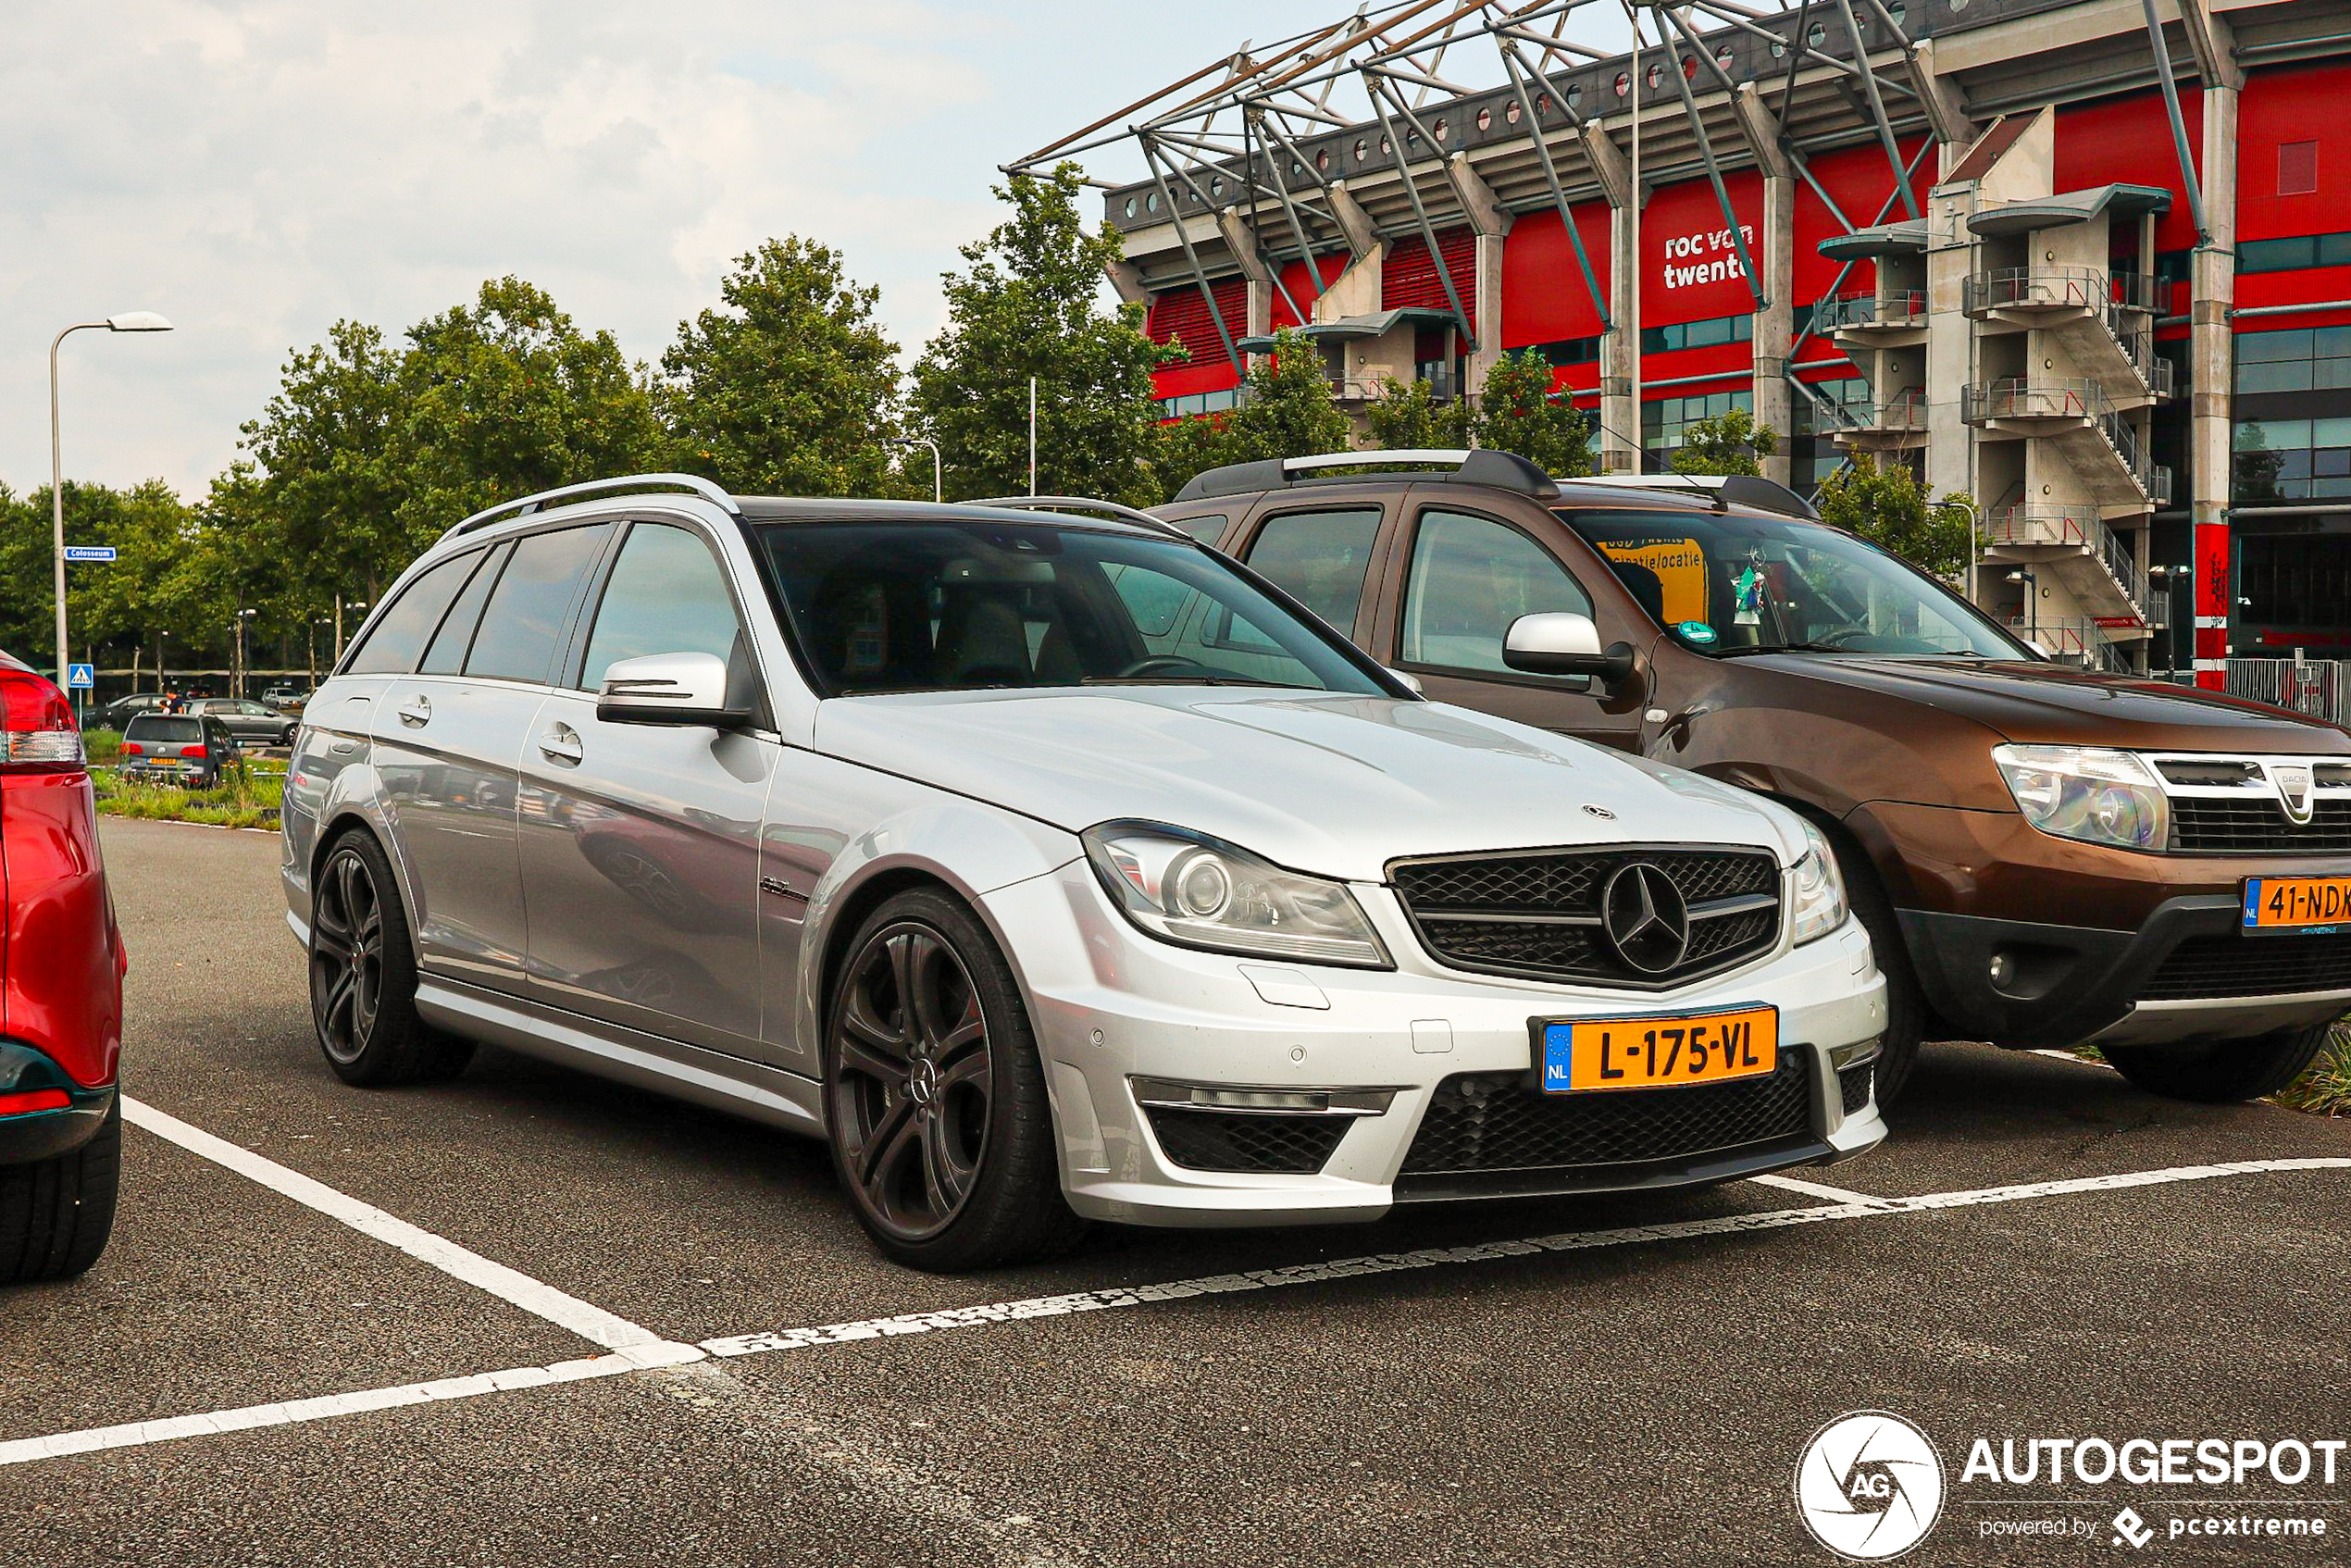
363,975
912,1084
346,956
942,1130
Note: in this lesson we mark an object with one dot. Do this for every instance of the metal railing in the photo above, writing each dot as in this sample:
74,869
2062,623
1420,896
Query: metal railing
2080,527
1871,308
1905,410
2317,687
2079,288
2063,397
2073,637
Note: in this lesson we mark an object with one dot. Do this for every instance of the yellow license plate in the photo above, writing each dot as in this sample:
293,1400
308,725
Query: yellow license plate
1659,1052
2296,903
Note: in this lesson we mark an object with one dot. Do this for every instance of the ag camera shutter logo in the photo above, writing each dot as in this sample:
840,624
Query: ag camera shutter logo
1870,1486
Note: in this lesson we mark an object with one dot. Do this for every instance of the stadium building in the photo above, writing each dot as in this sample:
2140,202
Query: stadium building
2085,261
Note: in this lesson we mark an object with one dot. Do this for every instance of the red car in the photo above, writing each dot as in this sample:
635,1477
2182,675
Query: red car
61,968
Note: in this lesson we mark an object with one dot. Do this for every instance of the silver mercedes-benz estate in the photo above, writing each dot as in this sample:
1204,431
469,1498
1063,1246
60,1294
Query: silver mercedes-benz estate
1051,866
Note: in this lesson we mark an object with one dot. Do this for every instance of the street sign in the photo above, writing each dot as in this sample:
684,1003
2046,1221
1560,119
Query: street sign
89,551
79,678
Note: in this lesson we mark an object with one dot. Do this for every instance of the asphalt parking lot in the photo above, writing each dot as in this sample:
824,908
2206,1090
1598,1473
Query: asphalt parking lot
477,1285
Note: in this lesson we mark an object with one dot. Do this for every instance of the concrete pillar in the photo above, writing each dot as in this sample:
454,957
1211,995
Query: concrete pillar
1950,347
1490,222
2211,375
1775,323
1621,344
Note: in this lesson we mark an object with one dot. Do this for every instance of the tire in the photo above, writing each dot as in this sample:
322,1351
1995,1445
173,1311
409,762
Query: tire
363,976
2233,1070
1906,1008
57,1214
936,1114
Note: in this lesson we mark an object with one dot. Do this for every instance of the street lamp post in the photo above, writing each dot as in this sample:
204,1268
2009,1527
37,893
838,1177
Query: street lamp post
938,465
237,674
128,321
2031,608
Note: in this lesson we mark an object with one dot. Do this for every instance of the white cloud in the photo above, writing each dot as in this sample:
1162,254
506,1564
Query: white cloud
256,169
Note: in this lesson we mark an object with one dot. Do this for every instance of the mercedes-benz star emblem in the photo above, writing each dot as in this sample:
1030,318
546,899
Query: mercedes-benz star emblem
1646,920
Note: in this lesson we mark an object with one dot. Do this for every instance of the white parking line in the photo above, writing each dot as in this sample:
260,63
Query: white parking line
1814,1189
2068,1056
590,1323
638,1357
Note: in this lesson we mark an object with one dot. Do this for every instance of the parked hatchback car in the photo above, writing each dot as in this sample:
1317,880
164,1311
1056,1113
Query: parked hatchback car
1052,867
194,751
249,722
61,971
2042,855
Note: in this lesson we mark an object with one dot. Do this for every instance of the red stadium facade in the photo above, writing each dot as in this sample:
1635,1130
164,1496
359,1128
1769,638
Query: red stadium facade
2103,291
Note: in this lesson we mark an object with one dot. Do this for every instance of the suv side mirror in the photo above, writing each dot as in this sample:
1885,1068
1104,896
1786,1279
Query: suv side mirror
679,689
1563,643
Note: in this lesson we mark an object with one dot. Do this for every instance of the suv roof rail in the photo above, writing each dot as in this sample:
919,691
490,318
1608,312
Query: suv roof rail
1481,466
522,506
1724,489
1080,503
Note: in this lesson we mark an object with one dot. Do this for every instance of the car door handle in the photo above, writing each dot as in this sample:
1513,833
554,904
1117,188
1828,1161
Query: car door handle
416,713
561,744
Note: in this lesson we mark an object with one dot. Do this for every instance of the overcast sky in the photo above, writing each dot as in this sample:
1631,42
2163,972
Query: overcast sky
256,171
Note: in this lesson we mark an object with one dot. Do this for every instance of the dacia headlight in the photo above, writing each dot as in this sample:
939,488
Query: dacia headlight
1820,889
1189,888
2087,793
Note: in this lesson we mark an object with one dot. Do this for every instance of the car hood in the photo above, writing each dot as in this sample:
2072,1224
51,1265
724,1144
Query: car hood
1335,785
2051,703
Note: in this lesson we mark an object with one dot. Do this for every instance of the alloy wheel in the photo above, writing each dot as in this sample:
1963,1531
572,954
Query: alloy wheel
347,955
912,1081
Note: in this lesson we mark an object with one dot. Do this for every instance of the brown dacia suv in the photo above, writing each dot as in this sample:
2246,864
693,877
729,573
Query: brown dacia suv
2042,855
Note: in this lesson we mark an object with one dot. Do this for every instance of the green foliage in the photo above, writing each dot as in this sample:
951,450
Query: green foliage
1733,443
1404,417
246,798
1885,507
104,602
1518,411
1286,411
2325,1089
1030,306
792,388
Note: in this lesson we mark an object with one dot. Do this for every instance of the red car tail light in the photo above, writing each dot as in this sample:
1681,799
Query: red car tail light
133,749
34,1099
192,751
38,728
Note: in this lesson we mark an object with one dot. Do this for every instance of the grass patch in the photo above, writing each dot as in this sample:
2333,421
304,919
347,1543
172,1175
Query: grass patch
2325,1089
102,746
248,797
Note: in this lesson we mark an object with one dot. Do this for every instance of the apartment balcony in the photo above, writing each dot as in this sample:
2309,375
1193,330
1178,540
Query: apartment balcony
2081,421
1873,316
2094,562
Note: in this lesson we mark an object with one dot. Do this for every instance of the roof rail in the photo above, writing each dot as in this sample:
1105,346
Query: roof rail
1501,470
1080,503
524,505
1724,489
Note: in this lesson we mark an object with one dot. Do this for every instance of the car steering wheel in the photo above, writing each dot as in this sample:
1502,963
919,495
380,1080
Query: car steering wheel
1158,664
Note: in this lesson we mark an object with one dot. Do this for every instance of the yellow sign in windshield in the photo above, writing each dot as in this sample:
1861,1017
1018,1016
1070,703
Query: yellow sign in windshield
1680,567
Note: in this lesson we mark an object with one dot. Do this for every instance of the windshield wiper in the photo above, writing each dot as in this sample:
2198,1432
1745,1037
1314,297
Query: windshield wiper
1751,649
1176,680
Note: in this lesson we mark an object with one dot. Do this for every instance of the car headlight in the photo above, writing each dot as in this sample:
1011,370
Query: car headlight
2087,793
1820,889
1198,891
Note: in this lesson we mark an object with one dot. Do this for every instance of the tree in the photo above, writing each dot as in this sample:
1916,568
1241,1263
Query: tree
1285,411
1029,305
328,448
1403,418
1885,507
1731,445
791,389
1518,410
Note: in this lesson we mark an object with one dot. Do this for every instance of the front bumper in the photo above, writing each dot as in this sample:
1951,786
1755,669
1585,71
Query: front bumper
1112,1006
30,1137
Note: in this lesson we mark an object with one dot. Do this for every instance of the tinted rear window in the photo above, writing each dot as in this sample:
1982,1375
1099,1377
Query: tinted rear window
398,638
165,731
533,598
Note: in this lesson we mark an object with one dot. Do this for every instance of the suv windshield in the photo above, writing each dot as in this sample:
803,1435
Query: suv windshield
1726,584
965,605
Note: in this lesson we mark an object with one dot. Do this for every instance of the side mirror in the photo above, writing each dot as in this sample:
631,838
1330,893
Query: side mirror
677,689
1564,643
1407,680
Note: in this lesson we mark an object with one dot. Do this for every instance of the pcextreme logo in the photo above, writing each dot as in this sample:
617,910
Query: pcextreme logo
1869,1486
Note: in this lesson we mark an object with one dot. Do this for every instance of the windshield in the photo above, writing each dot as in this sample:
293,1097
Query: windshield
161,731
1725,585
958,606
